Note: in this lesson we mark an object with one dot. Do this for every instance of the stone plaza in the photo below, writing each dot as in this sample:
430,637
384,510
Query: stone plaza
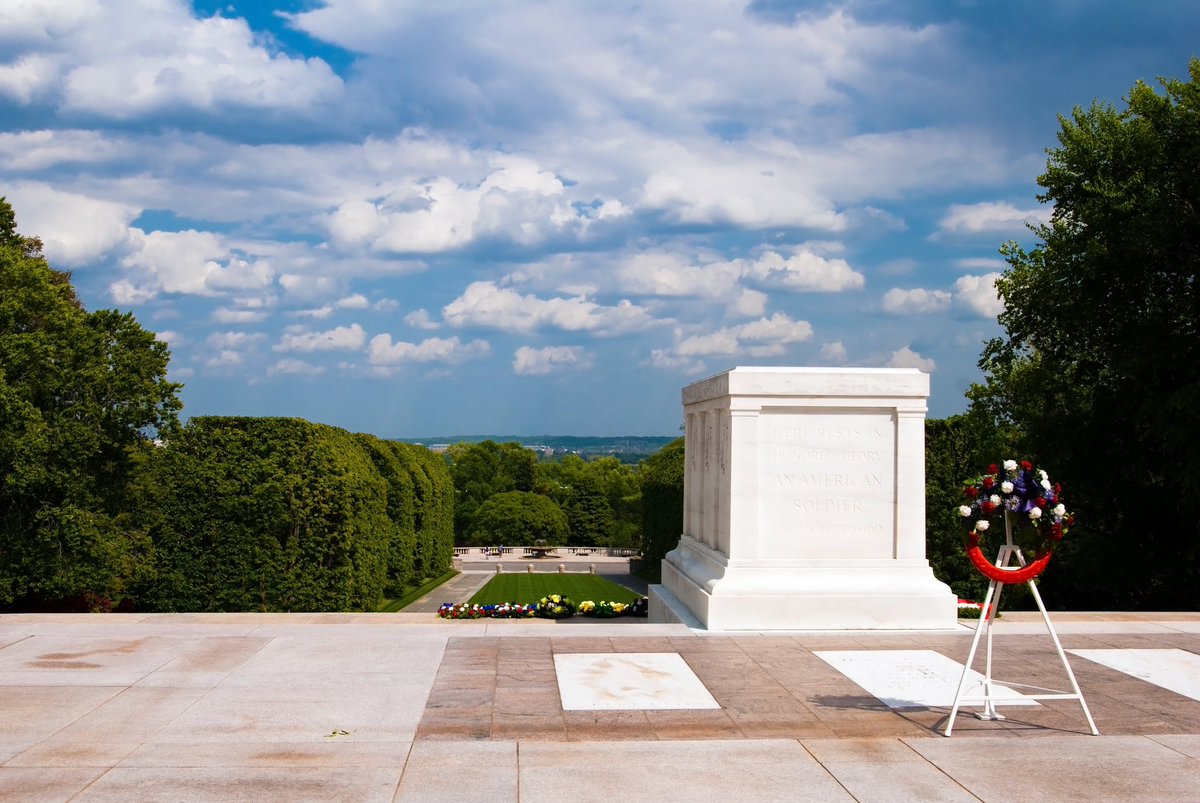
364,707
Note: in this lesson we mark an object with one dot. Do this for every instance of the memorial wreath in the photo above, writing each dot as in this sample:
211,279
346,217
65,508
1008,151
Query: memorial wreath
1033,504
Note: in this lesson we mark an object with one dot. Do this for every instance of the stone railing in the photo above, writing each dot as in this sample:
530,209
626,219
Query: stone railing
495,551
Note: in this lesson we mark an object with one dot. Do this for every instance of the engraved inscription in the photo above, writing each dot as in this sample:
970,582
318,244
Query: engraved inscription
826,483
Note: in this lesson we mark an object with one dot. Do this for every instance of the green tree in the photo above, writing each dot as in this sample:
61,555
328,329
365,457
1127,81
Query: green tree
481,470
662,504
1099,368
615,481
589,514
956,449
520,518
81,396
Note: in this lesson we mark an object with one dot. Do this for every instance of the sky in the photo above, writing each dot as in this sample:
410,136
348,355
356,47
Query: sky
434,218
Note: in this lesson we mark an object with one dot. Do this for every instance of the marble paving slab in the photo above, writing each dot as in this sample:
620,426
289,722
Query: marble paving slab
628,681
1172,669
912,678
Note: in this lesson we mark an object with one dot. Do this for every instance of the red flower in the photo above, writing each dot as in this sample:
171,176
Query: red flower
971,491
1041,501
1056,532
993,469
988,482
987,506
1058,489
1025,464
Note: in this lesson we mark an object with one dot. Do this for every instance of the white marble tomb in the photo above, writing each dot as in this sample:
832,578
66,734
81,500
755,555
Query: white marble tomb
804,504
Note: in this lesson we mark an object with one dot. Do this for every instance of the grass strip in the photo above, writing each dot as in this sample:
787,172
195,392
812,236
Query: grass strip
409,597
527,588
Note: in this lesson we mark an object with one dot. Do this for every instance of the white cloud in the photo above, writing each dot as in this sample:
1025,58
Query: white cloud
664,274
224,359
170,338
515,200
167,59
234,340
28,77
917,301
749,303
292,367
419,319
978,294
75,229
226,315
193,263
123,292
485,304
806,271
341,338
990,217
538,362
774,331
834,352
667,359
382,352
38,150
907,358
700,189
356,301
778,328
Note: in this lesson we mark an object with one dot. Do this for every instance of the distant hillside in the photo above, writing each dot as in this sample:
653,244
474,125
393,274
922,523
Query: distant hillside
626,448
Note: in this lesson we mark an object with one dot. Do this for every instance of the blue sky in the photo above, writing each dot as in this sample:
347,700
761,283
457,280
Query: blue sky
415,218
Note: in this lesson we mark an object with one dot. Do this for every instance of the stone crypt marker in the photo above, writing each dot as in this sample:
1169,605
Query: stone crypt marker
804,504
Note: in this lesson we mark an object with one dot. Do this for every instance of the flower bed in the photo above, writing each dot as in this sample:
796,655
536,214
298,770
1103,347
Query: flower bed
553,606
969,610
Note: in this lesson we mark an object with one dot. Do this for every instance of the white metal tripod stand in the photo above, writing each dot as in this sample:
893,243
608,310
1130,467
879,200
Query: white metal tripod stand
1007,553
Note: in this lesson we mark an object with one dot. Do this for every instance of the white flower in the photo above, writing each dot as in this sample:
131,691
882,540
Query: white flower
1046,484
1006,487
995,500
1010,465
1043,476
964,511
1060,510
982,525
1035,513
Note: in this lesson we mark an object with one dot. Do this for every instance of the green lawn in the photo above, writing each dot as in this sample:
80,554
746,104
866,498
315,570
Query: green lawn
526,588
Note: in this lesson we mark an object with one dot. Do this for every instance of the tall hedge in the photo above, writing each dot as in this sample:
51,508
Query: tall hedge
433,487
273,514
662,503
397,470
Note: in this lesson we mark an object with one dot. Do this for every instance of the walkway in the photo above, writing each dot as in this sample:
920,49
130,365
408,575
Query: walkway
256,707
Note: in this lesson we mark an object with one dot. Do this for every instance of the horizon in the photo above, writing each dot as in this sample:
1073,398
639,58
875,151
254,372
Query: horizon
402,219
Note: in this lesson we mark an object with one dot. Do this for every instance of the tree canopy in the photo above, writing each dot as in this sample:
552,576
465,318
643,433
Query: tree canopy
662,503
481,470
81,393
1099,368
520,518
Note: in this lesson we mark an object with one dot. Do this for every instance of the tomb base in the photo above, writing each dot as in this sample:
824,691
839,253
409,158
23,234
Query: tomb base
700,588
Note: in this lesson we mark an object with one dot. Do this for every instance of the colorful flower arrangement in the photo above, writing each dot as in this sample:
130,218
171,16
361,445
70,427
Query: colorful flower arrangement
1024,493
553,606
506,610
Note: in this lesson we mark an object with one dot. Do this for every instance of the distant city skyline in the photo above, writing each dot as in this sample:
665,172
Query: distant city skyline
414,218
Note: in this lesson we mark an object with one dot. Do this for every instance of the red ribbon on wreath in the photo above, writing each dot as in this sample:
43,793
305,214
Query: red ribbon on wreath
1007,576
